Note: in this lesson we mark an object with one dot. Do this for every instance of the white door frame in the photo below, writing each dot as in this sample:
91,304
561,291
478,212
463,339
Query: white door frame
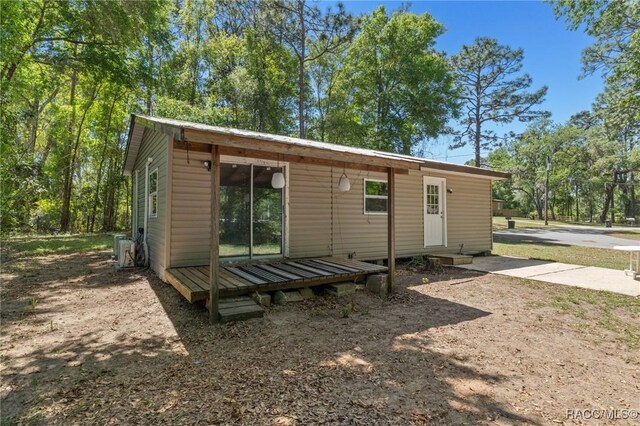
442,183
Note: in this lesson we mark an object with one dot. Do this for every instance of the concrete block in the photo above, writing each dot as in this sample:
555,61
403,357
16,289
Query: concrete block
262,299
341,289
378,284
284,297
306,293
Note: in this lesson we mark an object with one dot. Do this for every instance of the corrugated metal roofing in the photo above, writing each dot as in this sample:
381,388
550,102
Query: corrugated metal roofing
411,162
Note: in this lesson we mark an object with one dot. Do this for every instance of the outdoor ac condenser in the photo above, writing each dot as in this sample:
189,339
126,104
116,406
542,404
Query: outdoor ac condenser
116,244
126,254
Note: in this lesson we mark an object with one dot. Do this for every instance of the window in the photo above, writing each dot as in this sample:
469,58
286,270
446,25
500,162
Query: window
433,199
375,196
153,193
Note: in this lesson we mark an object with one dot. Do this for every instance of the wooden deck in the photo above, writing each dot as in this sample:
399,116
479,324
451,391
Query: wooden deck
238,279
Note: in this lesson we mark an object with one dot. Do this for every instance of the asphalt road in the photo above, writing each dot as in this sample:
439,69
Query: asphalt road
579,236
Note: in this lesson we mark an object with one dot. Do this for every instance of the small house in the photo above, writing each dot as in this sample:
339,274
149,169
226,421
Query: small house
226,212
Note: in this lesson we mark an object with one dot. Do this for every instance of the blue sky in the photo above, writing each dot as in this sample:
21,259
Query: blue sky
551,52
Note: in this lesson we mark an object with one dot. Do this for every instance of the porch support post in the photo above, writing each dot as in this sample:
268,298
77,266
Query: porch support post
215,235
391,228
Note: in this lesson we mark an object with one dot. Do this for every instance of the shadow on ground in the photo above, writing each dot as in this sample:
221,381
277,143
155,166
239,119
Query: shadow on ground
130,349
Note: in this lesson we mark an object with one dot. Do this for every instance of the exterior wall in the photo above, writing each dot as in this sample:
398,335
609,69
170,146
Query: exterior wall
190,210
324,221
310,225
154,145
365,236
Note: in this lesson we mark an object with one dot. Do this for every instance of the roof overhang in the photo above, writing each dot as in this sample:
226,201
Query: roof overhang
289,147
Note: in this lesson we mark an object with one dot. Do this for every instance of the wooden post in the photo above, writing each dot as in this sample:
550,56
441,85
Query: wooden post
215,234
391,229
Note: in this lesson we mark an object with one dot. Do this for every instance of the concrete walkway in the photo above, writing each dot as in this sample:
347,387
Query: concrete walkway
589,277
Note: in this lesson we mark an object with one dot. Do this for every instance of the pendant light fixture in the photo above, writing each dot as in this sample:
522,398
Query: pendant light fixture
277,180
344,184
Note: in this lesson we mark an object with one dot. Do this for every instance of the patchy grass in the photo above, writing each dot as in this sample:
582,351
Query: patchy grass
51,244
586,256
627,235
603,310
500,223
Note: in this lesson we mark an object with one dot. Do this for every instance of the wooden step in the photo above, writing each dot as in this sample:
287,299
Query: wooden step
239,309
452,259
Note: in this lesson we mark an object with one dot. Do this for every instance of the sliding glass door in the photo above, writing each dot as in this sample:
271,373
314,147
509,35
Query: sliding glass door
251,211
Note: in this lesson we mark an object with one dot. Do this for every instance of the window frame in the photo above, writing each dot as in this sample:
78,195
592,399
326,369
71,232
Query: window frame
376,197
153,194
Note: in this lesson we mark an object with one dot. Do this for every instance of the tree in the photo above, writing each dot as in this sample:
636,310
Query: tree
491,91
615,25
310,35
526,158
395,89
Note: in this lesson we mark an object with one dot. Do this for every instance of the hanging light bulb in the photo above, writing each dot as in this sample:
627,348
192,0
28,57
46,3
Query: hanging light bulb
277,180
344,184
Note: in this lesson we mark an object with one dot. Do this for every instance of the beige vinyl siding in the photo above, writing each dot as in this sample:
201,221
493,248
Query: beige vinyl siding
354,233
191,209
154,145
365,235
309,210
468,214
324,221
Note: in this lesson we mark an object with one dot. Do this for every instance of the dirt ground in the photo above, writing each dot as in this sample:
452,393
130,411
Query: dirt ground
83,344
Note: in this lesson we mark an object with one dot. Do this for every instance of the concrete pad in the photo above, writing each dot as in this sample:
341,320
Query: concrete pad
589,277
596,279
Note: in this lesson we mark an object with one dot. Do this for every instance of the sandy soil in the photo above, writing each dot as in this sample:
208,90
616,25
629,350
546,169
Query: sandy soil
82,344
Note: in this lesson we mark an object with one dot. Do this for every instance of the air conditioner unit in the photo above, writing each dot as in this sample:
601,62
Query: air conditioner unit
126,254
116,244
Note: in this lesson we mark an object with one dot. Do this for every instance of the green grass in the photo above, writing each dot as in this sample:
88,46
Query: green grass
500,223
614,312
627,235
586,256
241,250
50,244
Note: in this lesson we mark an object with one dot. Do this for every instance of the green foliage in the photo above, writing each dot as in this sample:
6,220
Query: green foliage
395,89
492,92
616,50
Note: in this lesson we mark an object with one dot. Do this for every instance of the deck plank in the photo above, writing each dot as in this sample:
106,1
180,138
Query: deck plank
325,267
238,280
285,267
245,275
309,268
284,274
329,263
204,285
263,273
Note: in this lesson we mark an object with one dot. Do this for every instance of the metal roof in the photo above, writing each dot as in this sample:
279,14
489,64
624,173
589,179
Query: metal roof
177,129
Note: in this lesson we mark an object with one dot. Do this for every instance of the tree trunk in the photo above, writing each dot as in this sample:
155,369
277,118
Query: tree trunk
71,165
66,192
608,199
100,167
632,189
301,57
476,135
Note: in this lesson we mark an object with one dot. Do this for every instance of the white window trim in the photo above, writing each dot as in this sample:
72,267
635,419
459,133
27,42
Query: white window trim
378,197
151,194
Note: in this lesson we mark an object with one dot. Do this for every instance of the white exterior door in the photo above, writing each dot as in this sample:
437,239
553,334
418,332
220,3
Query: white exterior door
435,207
